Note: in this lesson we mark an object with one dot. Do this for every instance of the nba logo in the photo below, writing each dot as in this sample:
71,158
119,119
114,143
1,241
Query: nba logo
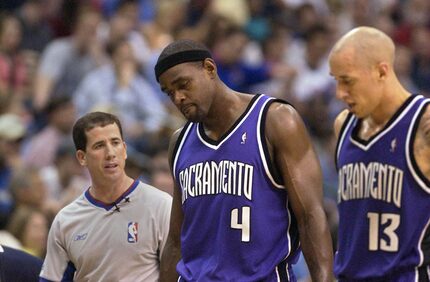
132,232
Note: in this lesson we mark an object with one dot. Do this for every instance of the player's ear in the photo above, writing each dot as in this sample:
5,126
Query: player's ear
210,66
382,70
125,149
81,156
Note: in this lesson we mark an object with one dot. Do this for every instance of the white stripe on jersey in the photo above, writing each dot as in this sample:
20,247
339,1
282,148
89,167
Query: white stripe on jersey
260,148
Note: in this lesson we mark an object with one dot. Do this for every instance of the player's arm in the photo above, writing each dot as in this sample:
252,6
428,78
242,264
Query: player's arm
295,158
339,121
422,144
172,250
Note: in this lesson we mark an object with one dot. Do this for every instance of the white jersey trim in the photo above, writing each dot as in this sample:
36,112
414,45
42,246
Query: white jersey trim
414,173
420,242
342,137
386,130
178,152
290,247
261,150
215,147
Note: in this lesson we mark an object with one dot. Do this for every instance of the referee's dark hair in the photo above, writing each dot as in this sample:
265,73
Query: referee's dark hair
88,122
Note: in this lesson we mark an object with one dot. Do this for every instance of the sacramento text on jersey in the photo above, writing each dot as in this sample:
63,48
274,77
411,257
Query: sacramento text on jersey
209,178
374,180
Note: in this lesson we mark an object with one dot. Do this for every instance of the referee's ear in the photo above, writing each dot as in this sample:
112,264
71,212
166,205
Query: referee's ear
80,156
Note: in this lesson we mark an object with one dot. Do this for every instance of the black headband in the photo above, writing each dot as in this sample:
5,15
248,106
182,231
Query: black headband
179,58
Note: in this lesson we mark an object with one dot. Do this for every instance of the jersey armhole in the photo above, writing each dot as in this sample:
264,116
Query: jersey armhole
269,168
416,172
341,137
178,145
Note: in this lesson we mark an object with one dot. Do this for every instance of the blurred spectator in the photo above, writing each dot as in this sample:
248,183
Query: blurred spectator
137,165
10,5
146,8
30,227
319,117
417,12
196,11
309,58
421,59
316,4
257,27
357,13
12,131
169,18
13,73
306,16
236,11
40,149
274,48
65,179
233,70
62,15
403,67
66,61
28,189
160,172
124,24
119,88
412,14
36,33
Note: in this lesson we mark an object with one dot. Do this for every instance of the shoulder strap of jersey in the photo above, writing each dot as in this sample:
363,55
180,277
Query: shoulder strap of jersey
418,175
269,168
342,133
179,143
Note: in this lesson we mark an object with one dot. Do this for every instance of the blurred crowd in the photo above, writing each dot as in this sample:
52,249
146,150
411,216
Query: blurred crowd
60,59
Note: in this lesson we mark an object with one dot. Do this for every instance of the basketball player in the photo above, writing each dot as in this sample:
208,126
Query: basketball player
248,183
117,229
383,160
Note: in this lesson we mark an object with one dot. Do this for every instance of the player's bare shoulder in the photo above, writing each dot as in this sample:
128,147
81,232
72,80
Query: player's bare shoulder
285,129
422,143
339,121
281,115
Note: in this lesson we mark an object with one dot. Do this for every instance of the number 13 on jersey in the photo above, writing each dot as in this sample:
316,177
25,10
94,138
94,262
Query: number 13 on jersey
388,222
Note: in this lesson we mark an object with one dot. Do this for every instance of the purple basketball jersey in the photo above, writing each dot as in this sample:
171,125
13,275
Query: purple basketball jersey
383,201
237,224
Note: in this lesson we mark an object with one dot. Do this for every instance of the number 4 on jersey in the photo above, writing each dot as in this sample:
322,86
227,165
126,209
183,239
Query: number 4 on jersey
245,222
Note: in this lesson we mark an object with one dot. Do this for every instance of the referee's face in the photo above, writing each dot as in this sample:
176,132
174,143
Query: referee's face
105,154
